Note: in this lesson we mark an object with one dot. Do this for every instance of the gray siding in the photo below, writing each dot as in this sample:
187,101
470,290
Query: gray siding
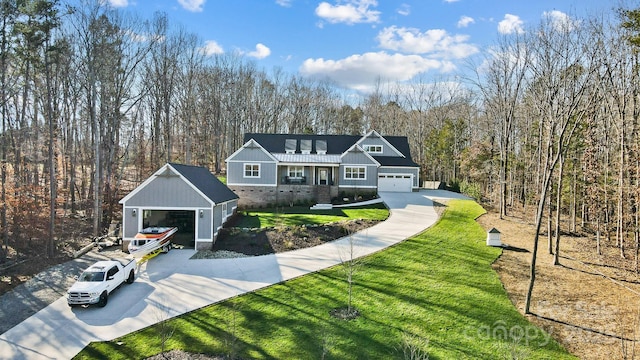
370,181
204,225
402,170
251,154
130,223
386,149
235,174
284,171
217,218
356,157
175,194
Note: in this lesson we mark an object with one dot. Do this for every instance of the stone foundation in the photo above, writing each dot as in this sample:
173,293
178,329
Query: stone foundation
266,196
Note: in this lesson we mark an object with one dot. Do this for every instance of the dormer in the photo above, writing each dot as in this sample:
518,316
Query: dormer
290,146
321,147
305,146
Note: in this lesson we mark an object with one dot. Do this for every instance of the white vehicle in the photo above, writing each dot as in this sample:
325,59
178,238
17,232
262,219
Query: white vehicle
96,283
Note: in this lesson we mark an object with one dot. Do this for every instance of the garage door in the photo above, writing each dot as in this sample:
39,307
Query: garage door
395,183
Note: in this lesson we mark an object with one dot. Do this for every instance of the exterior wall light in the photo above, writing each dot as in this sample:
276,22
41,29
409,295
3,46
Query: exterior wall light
133,212
201,213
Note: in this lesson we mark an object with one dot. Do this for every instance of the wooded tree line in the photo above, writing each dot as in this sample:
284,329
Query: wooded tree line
94,99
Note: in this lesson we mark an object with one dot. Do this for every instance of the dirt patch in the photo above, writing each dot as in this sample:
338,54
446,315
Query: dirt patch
281,239
26,258
589,303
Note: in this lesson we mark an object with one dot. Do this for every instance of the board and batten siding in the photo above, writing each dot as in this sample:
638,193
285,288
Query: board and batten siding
387,150
204,225
359,159
175,194
402,170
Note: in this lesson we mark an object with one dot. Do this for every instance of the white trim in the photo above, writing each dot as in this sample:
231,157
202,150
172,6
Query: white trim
372,132
309,164
253,161
358,187
158,173
244,170
366,147
364,178
247,184
251,141
357,147
289,167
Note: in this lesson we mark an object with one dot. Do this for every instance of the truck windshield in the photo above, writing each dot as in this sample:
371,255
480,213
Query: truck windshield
92,276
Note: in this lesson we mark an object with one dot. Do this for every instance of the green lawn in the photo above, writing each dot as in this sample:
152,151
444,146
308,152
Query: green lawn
301,215
438,286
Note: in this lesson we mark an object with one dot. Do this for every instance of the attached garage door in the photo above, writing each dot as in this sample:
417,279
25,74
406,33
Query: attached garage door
395,183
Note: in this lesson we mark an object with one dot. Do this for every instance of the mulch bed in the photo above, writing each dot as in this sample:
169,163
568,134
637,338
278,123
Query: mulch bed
276,240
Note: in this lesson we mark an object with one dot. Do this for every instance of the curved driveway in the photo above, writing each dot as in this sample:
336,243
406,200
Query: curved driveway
171,284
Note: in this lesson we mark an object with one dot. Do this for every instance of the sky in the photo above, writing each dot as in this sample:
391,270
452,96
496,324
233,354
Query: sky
356,43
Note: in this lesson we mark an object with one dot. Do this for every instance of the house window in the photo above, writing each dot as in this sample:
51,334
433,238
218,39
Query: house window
251,170
358,173
296,172
373,149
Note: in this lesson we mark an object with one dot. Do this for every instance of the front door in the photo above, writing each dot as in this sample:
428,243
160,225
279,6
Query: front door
323,176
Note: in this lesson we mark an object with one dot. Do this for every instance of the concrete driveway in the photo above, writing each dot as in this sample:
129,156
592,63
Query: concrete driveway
171,284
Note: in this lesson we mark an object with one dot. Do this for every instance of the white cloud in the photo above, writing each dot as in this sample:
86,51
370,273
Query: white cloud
349,12
284,3
261,52
511,24
437,42
465,21
559,20
451,1
192,5
118,3
211,47
404,10
360,72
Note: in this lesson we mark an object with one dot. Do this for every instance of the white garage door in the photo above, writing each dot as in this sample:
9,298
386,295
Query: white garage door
395,182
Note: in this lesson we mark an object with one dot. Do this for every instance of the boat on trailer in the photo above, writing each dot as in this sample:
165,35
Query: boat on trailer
151,239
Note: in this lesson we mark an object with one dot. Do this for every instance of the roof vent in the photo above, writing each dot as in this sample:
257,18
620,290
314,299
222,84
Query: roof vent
321,147
305,146
290,146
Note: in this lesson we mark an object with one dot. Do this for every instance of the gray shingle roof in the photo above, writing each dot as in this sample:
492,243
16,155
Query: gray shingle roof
336,145
206,182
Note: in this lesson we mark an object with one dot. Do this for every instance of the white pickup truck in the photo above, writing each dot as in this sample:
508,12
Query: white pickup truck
96,283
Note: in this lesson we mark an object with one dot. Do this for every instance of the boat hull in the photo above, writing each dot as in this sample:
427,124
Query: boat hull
151,239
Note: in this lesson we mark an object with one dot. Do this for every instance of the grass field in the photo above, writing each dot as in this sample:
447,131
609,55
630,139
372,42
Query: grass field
436,293
301,215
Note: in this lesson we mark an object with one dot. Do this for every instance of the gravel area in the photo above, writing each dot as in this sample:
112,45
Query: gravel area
46,287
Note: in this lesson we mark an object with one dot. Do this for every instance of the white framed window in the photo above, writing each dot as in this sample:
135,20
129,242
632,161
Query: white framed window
355,172
295,172
252,170
373,149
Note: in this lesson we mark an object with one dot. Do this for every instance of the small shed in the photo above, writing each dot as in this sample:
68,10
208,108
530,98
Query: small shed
186,196
493,237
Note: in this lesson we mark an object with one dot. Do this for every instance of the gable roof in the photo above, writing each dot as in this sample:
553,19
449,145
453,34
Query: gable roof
336,145
251,143
200,178
206,182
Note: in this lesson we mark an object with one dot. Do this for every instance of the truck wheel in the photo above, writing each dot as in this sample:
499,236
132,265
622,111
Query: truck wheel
166,248
103,299
132,276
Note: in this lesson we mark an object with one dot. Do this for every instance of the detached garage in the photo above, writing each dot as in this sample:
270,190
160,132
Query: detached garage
189,197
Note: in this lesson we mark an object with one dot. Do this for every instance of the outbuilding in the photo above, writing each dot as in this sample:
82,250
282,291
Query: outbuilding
186,196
